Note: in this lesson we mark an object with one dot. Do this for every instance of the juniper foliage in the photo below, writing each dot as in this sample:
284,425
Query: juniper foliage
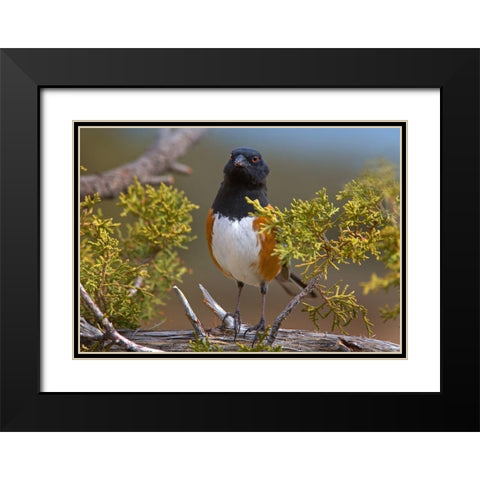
260,344
319,234
204,345
129,274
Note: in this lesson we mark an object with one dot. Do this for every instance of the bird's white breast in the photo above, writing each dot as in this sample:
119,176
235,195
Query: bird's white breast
236,247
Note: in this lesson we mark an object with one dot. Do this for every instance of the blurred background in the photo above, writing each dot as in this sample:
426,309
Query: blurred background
301,161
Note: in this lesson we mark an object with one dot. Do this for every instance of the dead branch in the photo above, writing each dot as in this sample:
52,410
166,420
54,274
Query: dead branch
290,306
89,333
110,332
227,319
197,326
136,285
170,145
291,341
179,340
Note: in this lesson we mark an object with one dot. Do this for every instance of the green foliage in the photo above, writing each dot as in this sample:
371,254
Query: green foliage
204,345
390,313
301,232
162,219
318,235
162,226
260,344
96,347
111,262
389,236
104,273
341,305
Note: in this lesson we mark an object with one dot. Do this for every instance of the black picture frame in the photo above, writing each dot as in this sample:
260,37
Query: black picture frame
24,72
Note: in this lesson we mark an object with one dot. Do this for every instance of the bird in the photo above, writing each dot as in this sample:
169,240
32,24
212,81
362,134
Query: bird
236,245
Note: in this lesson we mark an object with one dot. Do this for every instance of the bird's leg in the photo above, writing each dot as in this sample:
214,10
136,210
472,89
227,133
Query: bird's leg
236,316
237,322
263,291
260,327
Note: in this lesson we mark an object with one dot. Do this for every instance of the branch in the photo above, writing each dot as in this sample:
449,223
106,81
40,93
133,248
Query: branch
110,332
170,145
290,340
197,326
180,341
290,306
89,333
136,285
227,320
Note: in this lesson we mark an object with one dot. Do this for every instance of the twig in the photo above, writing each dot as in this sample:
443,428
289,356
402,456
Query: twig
180,168
290,306
223,315
136,285
197,326
290,340
110,332
162,157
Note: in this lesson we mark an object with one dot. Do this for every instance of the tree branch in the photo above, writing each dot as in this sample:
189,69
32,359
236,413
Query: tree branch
227,320
89,333
110,332
170,145
136,285
290,306
179,341
291,341
197,326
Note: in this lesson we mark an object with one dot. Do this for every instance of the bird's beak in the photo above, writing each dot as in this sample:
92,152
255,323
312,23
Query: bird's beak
241,161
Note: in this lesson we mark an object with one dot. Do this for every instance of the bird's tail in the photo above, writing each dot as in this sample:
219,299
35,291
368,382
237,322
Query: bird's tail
291,283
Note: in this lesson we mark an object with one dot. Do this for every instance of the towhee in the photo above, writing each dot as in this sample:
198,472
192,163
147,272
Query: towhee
235,244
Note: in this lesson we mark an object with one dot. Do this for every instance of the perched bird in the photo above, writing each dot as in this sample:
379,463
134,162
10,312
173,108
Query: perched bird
236,246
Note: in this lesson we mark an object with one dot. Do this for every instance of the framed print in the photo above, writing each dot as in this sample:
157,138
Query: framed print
58,106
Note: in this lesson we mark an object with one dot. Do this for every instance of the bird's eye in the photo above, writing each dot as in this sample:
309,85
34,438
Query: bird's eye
255,159
231,156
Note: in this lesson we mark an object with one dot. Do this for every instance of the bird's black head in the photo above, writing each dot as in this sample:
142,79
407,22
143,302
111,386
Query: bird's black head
246,167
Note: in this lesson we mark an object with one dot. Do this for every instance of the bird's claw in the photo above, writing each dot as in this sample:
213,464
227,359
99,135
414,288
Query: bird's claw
260,327
237,322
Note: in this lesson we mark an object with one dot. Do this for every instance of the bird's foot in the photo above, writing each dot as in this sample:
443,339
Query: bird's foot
260,327
237,322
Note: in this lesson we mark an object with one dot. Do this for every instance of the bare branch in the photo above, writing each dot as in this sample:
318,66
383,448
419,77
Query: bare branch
225,317
179,341
157,180
89,333
197,326
110,332
162,157
180,168
290,306
291,341
136,285
228,320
